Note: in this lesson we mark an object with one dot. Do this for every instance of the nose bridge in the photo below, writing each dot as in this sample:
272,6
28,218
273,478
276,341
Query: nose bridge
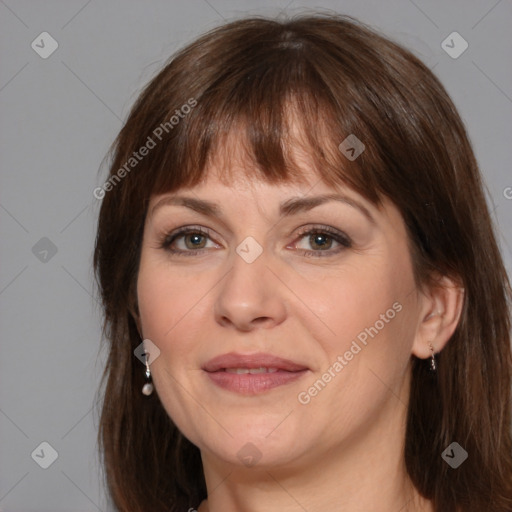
247,296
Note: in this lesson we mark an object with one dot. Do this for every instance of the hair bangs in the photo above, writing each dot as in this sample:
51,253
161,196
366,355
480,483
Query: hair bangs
258,122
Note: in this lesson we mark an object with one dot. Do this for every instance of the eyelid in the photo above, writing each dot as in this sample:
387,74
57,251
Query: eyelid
167,238
321,228
341,238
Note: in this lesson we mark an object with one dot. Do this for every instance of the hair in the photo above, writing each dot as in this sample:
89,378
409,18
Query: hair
337,77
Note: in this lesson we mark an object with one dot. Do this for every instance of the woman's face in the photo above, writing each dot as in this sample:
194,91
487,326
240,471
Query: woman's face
284,315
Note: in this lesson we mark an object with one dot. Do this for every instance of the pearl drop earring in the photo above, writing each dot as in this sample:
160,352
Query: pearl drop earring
147,389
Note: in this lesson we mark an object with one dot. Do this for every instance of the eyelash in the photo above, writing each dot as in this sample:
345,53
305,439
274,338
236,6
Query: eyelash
342,239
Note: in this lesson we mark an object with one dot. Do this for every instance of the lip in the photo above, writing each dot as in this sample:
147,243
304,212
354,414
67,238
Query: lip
286,372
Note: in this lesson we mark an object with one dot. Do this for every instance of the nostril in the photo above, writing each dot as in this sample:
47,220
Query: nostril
261,320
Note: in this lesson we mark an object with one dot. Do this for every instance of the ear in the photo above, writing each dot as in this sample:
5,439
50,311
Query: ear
440,310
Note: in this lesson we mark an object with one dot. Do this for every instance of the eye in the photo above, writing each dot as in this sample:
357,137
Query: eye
324,240
187,241
192,240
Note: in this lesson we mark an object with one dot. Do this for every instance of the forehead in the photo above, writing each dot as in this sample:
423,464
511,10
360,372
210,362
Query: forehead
232,170
242,185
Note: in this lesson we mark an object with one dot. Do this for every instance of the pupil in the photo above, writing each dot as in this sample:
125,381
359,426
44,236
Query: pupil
195,241
320,241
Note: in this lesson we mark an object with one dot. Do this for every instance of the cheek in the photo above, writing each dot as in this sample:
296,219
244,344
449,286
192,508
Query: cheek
169,306
366,328
165,298
174,305
366,360
348,302
157,305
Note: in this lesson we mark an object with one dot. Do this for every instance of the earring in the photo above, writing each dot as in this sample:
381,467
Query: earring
433,366
147,389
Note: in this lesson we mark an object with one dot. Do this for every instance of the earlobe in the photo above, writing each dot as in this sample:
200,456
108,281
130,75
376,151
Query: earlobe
441,310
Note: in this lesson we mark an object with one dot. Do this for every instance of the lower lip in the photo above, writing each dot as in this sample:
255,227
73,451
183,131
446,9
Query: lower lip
253,383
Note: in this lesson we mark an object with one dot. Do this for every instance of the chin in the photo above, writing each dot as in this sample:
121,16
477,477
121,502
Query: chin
258,443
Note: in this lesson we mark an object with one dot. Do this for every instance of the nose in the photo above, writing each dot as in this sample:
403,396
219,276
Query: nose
250,296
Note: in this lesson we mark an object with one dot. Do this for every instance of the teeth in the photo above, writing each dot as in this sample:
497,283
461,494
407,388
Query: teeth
252,371
237,370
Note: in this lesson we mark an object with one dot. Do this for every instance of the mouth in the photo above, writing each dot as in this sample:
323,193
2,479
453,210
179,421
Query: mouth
252,374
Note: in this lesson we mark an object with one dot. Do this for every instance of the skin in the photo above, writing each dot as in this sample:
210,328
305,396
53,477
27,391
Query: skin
343,450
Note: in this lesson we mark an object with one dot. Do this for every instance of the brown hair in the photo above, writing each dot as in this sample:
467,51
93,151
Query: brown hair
340,78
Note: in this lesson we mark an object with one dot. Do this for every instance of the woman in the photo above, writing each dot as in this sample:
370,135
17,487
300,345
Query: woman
295,243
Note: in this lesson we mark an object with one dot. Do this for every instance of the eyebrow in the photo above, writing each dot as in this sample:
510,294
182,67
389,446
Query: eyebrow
287,208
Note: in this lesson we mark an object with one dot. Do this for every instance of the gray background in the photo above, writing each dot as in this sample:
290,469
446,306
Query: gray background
58,117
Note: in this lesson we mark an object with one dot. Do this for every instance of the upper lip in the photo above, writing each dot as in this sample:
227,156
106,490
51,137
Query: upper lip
234,360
